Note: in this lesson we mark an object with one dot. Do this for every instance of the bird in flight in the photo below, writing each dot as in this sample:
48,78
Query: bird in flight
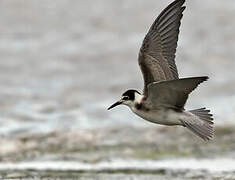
165,94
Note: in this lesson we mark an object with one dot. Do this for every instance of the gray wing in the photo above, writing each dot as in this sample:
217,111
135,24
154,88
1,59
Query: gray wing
173,93
157,54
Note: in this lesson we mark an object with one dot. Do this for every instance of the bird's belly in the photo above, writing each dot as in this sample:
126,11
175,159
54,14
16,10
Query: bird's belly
162,116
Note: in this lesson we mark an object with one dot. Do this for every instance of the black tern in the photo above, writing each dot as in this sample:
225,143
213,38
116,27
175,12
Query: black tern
165,94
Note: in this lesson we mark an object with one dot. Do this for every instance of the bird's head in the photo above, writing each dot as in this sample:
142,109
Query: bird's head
129,98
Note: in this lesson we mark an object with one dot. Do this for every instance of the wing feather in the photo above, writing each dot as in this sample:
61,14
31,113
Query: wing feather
159,46
173,93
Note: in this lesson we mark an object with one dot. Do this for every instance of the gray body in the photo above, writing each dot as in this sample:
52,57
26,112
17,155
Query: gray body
163,116
165,94
159,113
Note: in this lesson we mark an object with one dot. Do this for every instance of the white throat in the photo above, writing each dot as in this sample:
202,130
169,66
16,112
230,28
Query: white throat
138,98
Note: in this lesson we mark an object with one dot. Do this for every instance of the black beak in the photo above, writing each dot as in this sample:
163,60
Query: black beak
115,104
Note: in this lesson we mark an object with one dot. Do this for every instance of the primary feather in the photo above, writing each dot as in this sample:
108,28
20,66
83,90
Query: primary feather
157,54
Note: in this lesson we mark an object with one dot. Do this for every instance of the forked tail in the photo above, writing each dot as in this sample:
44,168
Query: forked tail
201,123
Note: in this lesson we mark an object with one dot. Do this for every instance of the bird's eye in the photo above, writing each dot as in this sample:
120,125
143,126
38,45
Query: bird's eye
125,98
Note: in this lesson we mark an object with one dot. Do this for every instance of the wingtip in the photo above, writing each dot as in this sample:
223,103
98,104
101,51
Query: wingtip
183,1
183,8
206,78
203,78
179,1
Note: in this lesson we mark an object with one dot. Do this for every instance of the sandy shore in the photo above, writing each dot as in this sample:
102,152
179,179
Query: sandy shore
139,153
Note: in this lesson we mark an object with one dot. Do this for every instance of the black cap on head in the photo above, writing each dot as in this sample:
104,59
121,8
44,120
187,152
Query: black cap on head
130,93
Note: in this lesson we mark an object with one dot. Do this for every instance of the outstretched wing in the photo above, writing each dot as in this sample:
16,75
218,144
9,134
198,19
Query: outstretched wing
157,54
173,93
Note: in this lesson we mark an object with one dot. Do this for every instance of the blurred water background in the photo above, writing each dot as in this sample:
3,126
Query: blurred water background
64,62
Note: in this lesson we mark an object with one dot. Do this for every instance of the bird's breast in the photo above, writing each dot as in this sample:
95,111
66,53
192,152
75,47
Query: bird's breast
163,116
140,107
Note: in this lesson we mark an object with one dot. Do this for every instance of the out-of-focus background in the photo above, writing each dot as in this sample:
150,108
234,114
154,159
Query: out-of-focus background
64,62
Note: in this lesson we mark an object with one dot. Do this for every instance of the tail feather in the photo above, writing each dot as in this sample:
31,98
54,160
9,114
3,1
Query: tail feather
203,114
200,123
